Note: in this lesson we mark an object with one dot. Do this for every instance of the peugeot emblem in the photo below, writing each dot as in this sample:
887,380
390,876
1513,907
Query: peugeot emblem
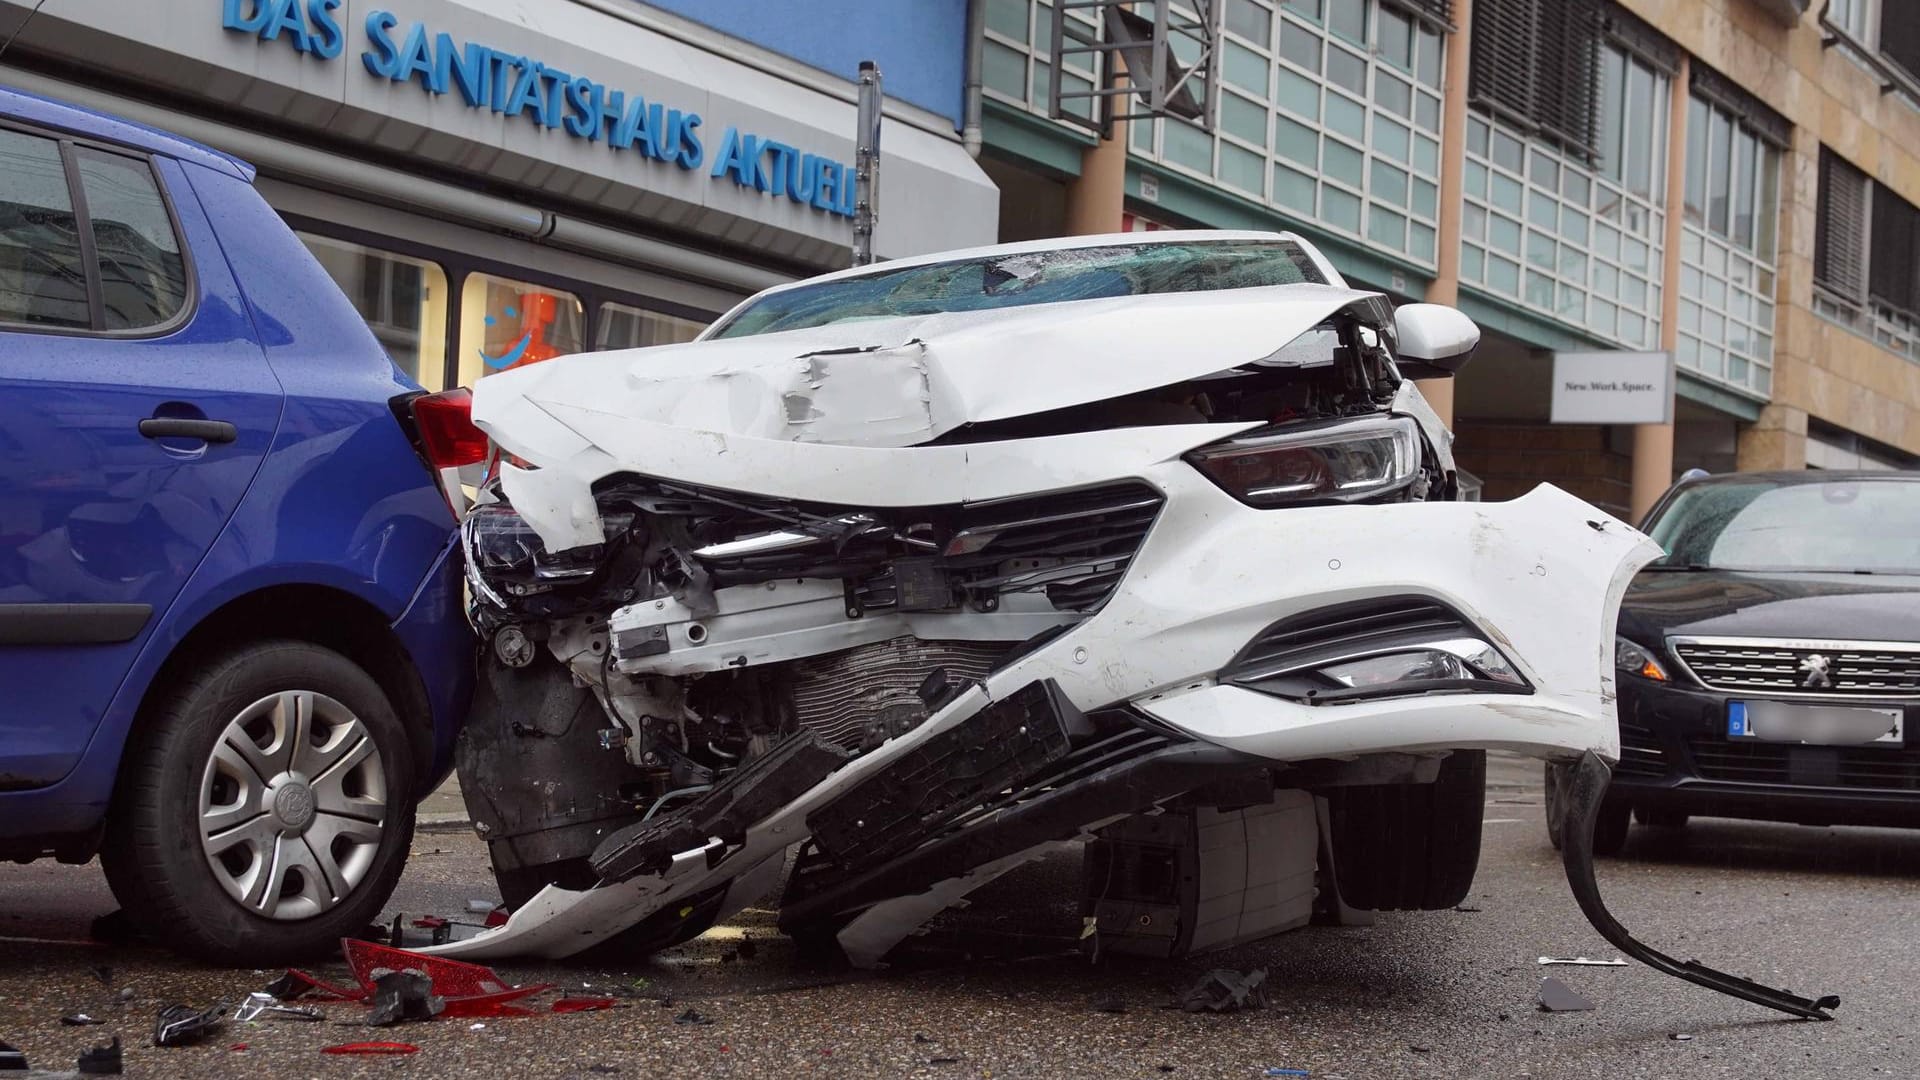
1818,671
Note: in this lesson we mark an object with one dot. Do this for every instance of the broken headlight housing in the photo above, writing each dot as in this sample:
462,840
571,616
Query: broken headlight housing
1333,461
506,556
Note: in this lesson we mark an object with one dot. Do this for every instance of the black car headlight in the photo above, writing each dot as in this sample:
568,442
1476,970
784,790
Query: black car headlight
1332,461
1628,656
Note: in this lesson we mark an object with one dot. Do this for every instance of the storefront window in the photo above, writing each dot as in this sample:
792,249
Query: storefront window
624,327
404,301
505,324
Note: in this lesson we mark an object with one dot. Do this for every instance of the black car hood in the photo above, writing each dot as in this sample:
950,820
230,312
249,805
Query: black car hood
1729,603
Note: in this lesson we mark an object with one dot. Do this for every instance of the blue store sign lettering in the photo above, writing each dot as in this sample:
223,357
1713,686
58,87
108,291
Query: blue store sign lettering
514,85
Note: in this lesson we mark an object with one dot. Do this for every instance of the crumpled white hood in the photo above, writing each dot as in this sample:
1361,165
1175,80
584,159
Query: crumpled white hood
718,412
902,381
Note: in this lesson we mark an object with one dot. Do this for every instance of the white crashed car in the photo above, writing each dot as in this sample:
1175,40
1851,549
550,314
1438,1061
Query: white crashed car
924,569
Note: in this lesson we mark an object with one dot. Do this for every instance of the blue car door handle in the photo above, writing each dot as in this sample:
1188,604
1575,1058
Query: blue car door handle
171,427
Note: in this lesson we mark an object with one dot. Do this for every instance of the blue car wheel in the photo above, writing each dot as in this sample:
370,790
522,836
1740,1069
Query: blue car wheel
266,808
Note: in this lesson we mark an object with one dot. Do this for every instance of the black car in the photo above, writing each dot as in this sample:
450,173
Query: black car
1770,662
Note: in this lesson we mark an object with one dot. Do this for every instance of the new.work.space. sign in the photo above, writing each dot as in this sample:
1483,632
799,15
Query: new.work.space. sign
1612,388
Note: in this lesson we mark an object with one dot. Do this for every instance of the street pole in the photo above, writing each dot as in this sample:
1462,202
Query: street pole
866,164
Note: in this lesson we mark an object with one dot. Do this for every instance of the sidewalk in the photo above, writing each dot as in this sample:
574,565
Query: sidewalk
444,810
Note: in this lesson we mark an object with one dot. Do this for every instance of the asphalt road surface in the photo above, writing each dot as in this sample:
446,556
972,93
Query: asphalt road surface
1439,994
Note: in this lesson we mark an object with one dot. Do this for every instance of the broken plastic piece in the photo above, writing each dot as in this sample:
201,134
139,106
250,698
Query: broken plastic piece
102,1060
1556,996
403,995
692,1016
1224,990
237,1048
1276,1070
371,1048
296,984
1583,785
1580,961
12,1059
481,907
582,1004
183,1025
449,978
80,1020
499,1004
259,1003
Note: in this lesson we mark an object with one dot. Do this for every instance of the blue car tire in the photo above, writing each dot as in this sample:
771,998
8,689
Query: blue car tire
265,809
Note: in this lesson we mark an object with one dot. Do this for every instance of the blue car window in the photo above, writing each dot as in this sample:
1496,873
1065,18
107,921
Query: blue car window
143,279
42,280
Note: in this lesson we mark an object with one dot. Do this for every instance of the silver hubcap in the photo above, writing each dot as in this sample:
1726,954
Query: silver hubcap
291,805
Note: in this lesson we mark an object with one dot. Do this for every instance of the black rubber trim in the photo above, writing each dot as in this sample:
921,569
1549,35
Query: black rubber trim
1584,785
72,624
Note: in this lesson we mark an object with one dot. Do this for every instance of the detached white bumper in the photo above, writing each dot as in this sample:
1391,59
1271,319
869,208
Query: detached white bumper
1540,577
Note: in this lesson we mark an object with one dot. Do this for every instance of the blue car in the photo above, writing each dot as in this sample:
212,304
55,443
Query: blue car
232,649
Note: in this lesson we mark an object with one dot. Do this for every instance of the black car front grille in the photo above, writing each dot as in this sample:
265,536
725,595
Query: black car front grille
1842,669
1640,752
1860,768
1074,545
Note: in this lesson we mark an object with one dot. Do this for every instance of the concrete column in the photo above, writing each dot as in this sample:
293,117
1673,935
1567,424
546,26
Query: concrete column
1653,443
1098,196
1453,168
1778,440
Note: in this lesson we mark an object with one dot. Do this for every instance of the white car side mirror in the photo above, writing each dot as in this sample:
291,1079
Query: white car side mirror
1433,340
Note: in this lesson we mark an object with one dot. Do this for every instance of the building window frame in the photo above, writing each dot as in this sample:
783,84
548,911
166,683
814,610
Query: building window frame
1728,279
1852,303
1545,227
459,264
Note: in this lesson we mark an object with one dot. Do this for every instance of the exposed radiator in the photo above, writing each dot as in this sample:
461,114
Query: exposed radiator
847,695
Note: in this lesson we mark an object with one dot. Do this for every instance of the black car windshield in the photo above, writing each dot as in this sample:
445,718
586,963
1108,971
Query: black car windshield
1825,525
1033,277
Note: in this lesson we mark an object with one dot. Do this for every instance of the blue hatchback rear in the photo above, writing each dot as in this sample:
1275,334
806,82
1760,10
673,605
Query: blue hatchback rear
232,648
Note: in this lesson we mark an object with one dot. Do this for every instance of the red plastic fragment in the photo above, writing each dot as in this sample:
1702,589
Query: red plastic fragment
429,922
451,978
237,1047
299,984
497,917
492,1004
371,1048
582,1004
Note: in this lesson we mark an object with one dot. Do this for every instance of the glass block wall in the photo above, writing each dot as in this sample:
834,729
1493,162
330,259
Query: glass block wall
1728,251
1013,59
1329,111
1578,239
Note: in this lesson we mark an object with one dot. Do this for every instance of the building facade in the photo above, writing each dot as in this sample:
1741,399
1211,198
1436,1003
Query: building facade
1731,183
496,182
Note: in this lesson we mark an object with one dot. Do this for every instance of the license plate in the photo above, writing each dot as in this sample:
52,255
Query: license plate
1814,725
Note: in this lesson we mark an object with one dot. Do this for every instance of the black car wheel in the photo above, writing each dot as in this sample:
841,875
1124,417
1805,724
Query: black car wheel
265,807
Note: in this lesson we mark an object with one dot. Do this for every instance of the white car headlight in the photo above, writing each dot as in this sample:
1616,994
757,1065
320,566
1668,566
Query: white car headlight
1334,461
